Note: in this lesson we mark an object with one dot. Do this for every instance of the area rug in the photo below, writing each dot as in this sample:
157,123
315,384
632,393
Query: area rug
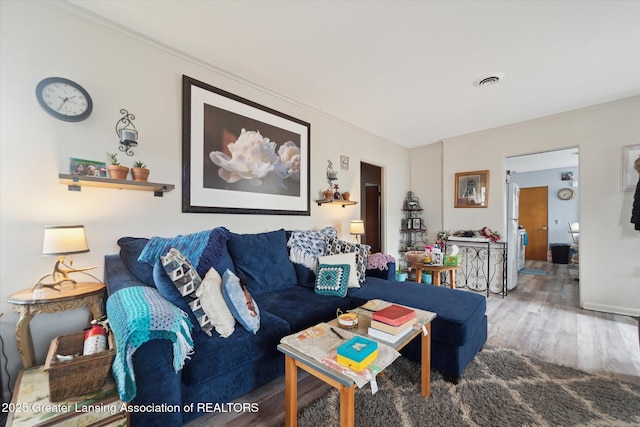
499,388
533,271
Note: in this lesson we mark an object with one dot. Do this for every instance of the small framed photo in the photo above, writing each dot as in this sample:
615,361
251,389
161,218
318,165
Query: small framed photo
82,167
417,223
344,163
567,176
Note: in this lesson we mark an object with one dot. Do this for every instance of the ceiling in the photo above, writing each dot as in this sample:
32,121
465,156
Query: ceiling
405,70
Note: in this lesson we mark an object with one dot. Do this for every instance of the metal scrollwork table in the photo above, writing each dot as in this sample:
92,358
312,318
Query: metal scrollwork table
70,297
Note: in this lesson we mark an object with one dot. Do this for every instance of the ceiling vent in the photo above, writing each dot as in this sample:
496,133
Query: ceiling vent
489,80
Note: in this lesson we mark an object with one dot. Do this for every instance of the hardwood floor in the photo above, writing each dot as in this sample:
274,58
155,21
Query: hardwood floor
540,317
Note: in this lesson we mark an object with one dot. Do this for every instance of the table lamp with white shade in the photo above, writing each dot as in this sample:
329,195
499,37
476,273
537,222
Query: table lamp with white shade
357,229
63,240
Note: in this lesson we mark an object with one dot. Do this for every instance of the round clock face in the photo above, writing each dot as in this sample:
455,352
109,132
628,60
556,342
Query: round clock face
64,99
566,194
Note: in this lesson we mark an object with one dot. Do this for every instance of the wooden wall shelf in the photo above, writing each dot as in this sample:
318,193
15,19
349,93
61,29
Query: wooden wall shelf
335,202
75,183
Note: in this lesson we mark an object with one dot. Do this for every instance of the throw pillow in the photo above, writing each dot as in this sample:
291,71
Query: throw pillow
130,250
332,279
335,246
213,303
349,259
262,260
186,280
240,302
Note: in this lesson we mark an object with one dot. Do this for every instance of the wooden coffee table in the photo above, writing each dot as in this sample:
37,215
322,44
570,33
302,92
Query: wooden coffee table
295,359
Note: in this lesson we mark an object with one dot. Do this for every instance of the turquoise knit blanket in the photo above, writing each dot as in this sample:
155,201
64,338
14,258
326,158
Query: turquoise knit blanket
139,314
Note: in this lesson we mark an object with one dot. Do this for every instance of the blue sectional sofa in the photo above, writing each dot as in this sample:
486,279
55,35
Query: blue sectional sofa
222,369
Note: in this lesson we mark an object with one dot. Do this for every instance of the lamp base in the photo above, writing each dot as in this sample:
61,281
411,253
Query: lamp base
60,274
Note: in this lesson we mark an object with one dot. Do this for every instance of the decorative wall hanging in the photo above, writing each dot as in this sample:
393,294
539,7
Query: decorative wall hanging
630,154
241,157
472,190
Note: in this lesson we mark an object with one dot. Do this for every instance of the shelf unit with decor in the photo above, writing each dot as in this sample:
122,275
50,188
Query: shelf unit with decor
344,203
75,183
413,231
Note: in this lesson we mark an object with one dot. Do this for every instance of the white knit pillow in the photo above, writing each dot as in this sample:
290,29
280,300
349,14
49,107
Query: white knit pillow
213,303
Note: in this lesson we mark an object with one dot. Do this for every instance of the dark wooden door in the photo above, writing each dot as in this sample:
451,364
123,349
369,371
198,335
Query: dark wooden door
533,216
372,218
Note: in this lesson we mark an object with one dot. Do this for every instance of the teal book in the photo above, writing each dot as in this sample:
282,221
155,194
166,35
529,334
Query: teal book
357,348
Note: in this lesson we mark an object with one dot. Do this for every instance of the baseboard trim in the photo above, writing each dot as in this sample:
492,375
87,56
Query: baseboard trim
614,309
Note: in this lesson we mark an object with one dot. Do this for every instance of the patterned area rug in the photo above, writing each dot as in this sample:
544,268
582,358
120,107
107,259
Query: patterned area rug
499,388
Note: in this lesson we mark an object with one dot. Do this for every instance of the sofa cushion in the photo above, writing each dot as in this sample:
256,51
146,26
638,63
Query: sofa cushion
130,250
335,246
240,302
214,304
177,280
301,307
332,279
216,356
459,313
262,260
350,259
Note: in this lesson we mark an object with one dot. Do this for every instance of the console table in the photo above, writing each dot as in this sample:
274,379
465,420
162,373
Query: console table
484,264
28,303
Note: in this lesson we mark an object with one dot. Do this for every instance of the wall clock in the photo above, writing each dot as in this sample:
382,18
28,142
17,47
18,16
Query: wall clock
566,194
64,99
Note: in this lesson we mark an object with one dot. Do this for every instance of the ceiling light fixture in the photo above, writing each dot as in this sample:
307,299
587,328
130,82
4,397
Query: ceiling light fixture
489,80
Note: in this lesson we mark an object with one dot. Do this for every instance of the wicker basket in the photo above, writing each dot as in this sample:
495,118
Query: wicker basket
81,375
414,256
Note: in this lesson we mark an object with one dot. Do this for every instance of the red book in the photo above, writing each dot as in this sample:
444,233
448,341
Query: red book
394,315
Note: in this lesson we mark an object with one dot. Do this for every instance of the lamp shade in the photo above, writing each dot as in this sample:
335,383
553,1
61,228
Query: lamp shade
357,227
64,239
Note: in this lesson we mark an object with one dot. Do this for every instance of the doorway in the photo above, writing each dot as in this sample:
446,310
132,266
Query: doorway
533,214
371,205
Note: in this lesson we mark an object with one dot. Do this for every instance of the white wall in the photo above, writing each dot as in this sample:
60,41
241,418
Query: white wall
609,246
42,39
426,183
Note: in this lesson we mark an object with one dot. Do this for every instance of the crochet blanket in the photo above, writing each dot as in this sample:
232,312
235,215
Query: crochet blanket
203,249
307,245
133,323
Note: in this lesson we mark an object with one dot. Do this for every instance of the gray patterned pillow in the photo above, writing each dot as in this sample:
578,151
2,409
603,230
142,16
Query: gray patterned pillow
335,246
186,280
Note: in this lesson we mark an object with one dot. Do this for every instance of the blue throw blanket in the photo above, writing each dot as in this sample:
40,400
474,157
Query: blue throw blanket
133,323
203,249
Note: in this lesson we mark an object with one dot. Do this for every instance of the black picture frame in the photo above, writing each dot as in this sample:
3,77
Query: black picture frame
417,223
215,125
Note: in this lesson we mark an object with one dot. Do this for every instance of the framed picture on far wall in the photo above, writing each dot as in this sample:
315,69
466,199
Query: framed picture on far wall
629,178
417,224
471,190
240,157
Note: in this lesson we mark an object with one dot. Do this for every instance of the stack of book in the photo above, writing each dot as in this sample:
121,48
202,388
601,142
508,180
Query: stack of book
357,353
392,323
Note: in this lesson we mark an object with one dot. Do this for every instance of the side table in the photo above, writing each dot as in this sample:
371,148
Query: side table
28,304
436,270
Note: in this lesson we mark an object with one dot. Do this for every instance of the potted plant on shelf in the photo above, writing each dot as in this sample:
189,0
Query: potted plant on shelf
139,171
116,171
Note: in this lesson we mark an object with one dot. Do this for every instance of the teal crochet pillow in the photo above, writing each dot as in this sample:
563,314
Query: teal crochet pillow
240,302
332,279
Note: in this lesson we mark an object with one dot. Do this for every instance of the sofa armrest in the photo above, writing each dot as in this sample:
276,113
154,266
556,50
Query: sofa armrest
389,274
117,276
156,380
